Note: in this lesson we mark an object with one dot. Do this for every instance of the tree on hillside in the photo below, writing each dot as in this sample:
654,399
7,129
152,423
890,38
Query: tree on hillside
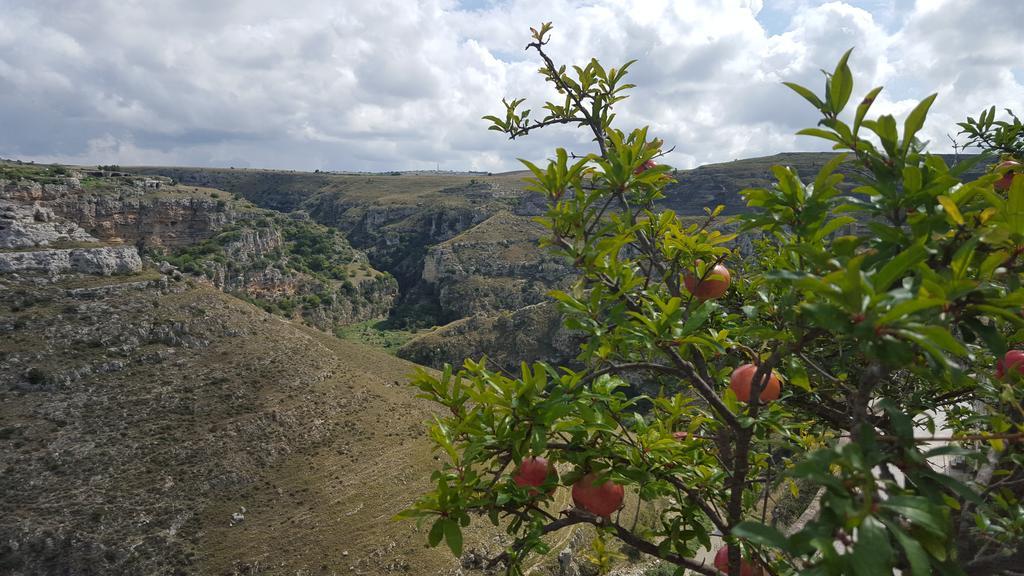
871,372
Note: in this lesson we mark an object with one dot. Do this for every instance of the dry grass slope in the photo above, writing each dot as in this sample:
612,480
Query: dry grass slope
135,421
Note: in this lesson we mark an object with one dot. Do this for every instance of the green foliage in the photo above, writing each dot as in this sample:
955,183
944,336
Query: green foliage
44,174
883,310
1005,137
317,258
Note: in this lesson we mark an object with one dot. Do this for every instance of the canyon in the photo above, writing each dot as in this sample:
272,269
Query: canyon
173,396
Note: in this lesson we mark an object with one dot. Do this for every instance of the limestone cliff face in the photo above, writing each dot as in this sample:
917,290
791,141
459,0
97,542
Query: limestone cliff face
396,238
297,268
247,267
532,333
125,213
495,266
287,264
28,225
35,239
103,261
149,222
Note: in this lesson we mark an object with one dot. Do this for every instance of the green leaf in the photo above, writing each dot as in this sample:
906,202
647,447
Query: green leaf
760,534
911,179
806,93
916,509
832,226
1015,206
436,532
909,307
798,374
962,258
862,108
894,269
841,85
697,319
1008,315
885,128
819,133
989,334
916,555
934,351
941,336
915,120
826,170
453,536
958,487
872,553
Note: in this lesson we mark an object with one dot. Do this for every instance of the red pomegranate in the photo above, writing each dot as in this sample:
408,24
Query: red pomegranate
600,500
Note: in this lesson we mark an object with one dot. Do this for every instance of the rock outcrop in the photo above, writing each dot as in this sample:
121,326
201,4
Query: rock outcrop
97,261
95,225
125,211
27,225
33,236
171,222
497,265
532,333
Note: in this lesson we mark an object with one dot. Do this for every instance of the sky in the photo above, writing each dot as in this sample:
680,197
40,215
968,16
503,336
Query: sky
376,85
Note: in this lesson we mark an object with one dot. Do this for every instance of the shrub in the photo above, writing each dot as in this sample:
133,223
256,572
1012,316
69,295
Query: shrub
37,376
895,326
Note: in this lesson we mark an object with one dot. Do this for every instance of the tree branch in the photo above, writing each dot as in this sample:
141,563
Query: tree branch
575,516
557,79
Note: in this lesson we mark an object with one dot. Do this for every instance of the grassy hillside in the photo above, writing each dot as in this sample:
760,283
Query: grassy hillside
289,190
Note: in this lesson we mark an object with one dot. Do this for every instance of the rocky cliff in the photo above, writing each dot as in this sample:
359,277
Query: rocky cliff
496,265
98,224
528,334
393,218
35,239
122,211
102,261
293,267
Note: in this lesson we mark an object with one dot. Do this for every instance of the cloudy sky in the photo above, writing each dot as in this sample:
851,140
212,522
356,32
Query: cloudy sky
400,84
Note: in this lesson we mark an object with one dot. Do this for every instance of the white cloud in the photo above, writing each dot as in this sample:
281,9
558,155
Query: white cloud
401,84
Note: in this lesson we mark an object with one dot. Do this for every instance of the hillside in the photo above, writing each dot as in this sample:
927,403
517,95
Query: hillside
155,418
139,415
285,264
154,421
463,247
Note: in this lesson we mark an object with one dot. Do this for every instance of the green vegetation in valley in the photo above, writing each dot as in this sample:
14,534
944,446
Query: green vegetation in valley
377,333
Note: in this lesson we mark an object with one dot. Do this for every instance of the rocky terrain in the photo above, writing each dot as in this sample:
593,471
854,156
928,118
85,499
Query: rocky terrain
293,267
167,405
153,426
530,333
463,247
101,222
151,423
492,267
154,421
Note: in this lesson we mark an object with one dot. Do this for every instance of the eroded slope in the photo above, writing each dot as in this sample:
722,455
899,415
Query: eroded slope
138,415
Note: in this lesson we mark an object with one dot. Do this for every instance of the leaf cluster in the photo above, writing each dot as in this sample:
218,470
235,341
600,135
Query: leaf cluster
883,307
